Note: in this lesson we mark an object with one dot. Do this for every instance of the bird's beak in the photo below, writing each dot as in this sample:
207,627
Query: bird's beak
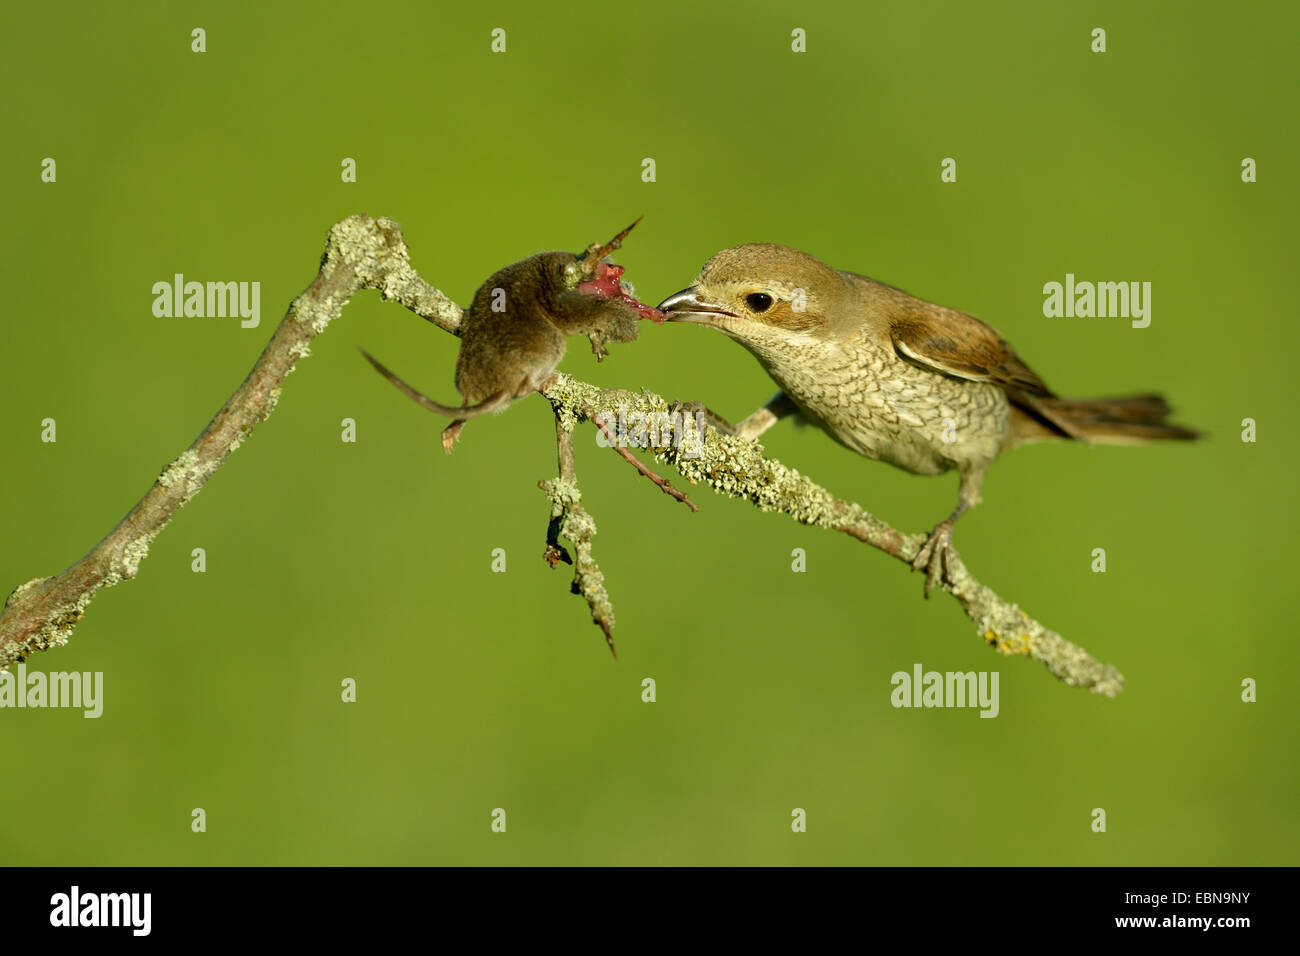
688,306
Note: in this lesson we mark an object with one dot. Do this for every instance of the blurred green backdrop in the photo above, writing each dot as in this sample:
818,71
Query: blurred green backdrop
494,690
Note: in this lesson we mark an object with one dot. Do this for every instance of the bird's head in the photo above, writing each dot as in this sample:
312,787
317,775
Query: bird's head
760,293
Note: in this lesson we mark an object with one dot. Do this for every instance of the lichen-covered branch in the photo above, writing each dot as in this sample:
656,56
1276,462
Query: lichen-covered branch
360,253
738,468
570,520
365,253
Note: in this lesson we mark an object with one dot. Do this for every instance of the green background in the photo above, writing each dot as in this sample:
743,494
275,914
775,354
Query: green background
372,560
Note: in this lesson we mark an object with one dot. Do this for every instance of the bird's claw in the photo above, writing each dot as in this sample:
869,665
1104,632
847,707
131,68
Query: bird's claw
933,558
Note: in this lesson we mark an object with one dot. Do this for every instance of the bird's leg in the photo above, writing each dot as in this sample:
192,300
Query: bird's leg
778,407
934,554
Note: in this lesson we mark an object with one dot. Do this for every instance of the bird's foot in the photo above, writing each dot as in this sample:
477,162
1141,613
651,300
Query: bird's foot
933,558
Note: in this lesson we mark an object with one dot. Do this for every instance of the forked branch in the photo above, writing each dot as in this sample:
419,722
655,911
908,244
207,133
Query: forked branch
366,253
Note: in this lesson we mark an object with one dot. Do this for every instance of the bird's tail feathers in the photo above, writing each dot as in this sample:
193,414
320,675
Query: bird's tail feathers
1130,419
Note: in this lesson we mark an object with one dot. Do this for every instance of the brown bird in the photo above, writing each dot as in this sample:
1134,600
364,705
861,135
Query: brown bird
893,377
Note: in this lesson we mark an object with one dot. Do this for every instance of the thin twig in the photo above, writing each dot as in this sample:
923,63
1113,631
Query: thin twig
664,484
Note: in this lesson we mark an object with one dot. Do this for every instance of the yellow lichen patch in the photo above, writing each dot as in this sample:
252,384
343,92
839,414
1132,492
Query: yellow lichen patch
1015,646
991,637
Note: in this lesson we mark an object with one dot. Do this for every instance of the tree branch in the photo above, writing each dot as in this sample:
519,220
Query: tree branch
366,253
570,519
737,468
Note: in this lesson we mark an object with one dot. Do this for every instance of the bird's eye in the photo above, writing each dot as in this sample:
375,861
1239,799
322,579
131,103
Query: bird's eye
759,301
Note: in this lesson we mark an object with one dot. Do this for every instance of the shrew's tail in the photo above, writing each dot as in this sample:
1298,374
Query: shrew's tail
489,404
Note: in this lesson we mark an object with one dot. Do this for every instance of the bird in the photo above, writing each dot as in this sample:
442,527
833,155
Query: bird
923,387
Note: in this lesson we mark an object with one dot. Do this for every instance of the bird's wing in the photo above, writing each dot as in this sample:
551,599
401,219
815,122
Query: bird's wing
961,346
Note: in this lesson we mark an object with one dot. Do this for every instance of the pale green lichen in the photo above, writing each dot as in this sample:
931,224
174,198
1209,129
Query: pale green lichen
53,632
579,527
403,284
133,554
198,476
179,469
563,491
23,589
